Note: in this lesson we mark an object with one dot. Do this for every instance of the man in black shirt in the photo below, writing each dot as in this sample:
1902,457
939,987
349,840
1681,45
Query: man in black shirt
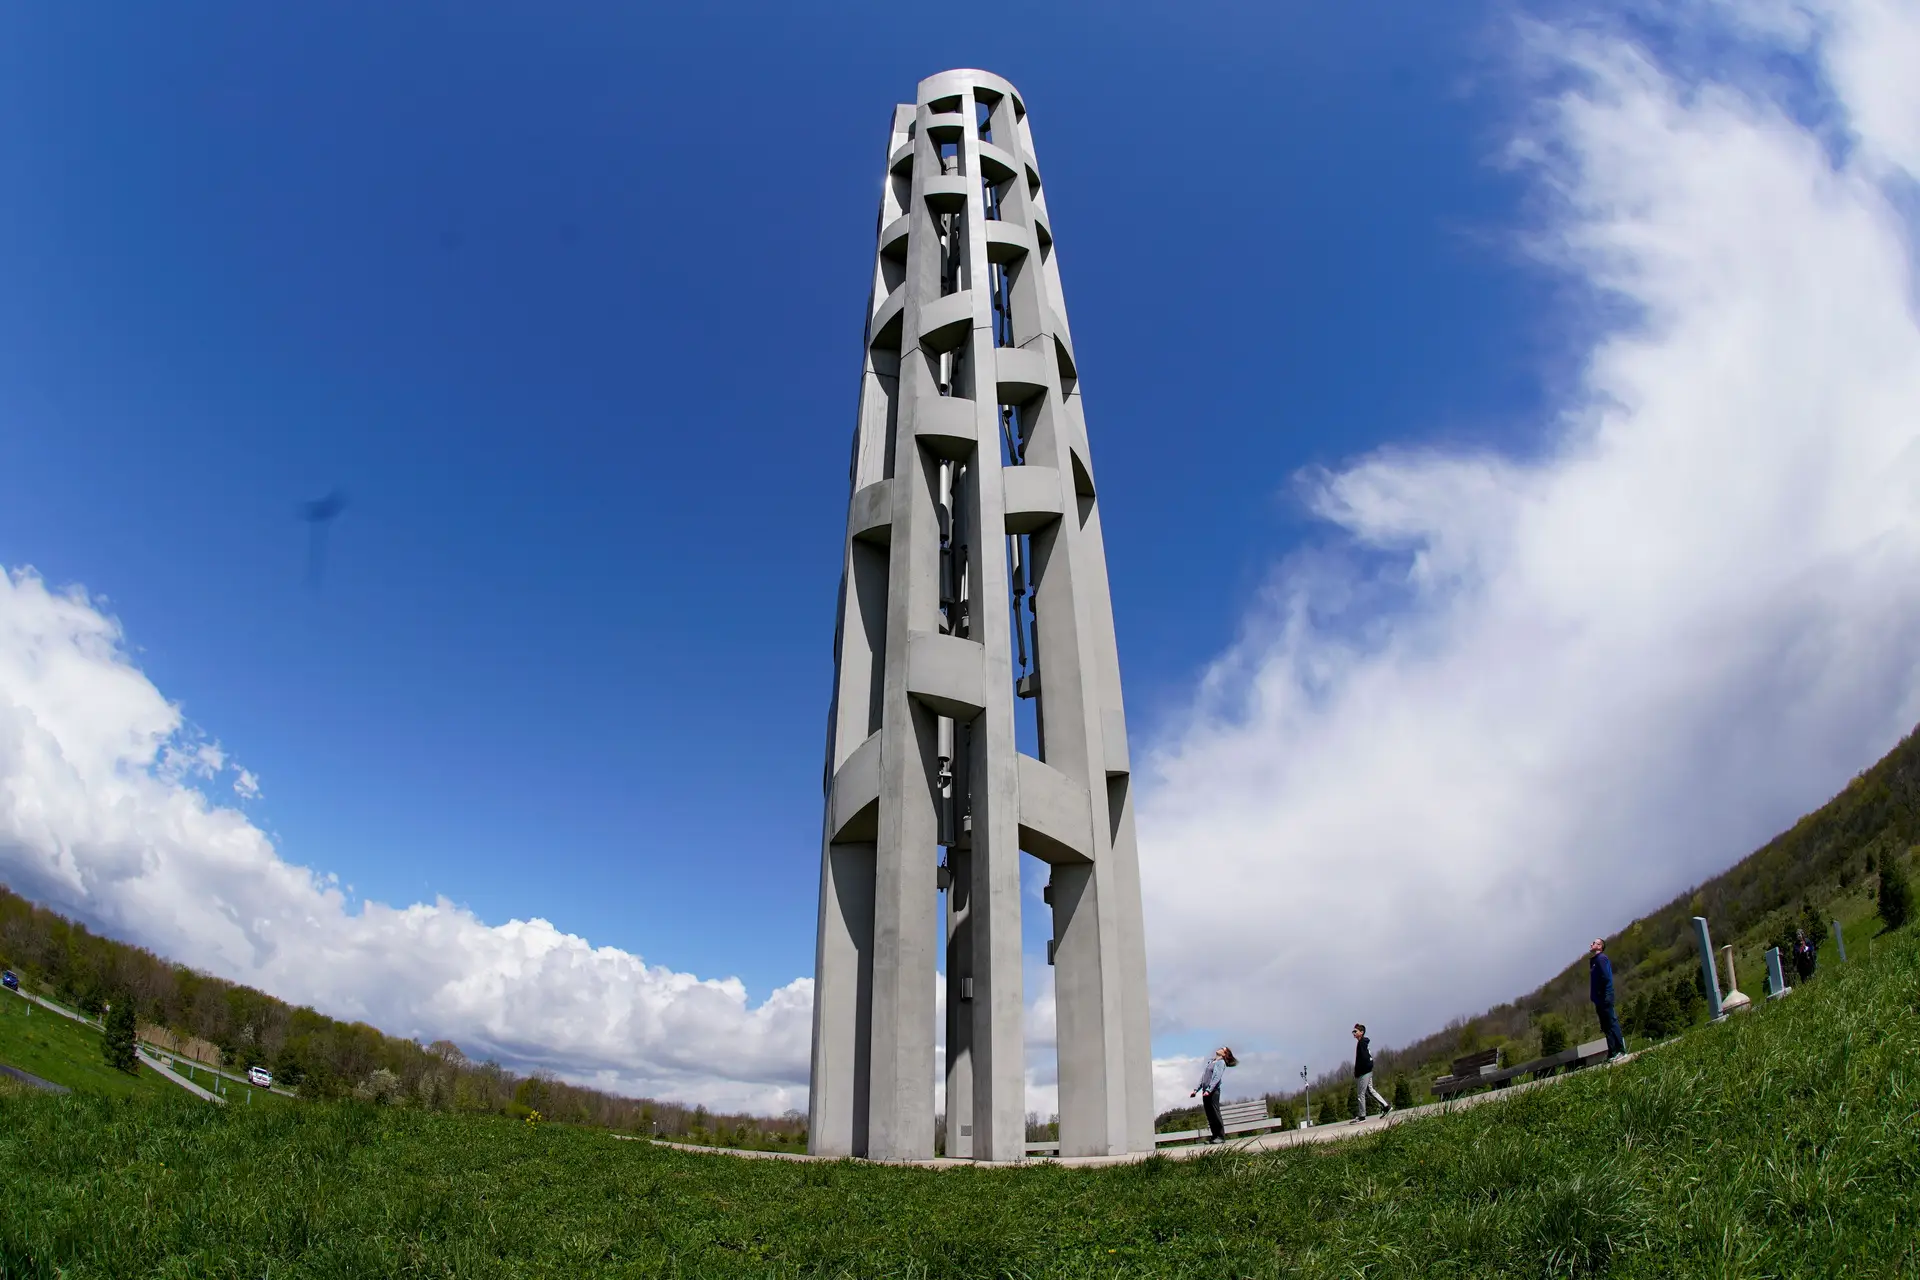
1363,1075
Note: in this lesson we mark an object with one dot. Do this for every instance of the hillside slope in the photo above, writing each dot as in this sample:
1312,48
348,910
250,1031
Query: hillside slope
1822,868
66,1052
196,1014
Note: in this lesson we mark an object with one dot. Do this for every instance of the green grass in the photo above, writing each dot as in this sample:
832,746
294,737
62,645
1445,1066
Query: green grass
66,1052
1785,1142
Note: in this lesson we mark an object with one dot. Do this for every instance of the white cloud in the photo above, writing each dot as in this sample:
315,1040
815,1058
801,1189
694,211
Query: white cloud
246,785
98,818
1592,675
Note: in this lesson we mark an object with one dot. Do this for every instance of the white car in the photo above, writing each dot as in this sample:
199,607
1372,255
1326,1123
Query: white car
260,1076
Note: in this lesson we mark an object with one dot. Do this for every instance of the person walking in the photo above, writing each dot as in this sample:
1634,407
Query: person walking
1600,991
1804,954
1363,1076
1208,1089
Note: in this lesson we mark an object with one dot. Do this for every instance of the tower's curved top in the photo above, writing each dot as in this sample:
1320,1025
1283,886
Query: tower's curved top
947,83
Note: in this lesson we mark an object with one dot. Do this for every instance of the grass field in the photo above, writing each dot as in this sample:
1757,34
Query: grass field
66,1052
1785,1142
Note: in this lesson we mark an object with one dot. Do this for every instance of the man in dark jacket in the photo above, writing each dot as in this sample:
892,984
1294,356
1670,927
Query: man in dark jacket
1804,952
1363,1076
1600,990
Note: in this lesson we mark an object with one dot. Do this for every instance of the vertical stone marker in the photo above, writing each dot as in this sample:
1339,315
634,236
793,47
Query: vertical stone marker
974,575
1707,970
1840,941
1776,979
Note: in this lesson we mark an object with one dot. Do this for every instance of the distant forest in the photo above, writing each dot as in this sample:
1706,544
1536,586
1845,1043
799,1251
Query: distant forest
191,1013
1823,868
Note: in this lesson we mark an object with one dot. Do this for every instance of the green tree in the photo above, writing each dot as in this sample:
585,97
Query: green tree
1661,1013
1896,895
1813,922
1553,1036
116,1044
1326,1115
1402,1094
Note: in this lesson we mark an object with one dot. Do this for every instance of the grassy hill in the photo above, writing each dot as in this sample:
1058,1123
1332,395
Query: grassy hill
1785,1141
320,1056
1823,868
65,1052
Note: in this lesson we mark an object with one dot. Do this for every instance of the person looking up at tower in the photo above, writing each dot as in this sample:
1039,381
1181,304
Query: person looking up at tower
1600,991
1209,1089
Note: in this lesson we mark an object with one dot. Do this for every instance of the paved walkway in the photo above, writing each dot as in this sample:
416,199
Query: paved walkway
148,1061
1275,1141
45,1003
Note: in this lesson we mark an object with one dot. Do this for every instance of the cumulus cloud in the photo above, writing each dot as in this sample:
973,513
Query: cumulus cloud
100,817
1509,702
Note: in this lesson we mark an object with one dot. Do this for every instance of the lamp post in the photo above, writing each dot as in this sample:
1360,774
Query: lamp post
1306,1102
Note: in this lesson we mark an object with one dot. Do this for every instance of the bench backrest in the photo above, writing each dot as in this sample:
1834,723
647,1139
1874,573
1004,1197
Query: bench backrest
1473,1062
1242,1112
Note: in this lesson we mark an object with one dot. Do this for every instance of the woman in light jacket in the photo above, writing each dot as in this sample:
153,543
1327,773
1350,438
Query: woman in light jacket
1209,1089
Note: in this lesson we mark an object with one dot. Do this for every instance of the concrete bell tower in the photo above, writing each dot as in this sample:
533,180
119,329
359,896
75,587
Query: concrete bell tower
974,576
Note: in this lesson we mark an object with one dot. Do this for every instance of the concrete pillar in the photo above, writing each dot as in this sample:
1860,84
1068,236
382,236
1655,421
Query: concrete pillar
1707,971
970,455
1735,1000
1839,941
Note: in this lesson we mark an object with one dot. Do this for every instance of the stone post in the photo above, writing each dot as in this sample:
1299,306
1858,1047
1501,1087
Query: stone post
1707,970
1736,1000
1776,980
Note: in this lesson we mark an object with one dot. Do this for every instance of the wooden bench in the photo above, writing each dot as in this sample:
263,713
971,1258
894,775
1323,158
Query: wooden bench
1252,1111
1491,1074
1467,1073
1236,1117
1249,1116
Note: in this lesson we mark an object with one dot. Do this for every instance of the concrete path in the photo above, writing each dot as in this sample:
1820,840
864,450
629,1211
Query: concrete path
1276,1141
44,1003
150,1062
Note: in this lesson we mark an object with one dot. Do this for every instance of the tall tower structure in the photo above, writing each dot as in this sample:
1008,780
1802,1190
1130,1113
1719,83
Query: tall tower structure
974,577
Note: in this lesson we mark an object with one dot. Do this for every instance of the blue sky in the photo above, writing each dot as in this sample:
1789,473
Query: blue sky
567,302
571,309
